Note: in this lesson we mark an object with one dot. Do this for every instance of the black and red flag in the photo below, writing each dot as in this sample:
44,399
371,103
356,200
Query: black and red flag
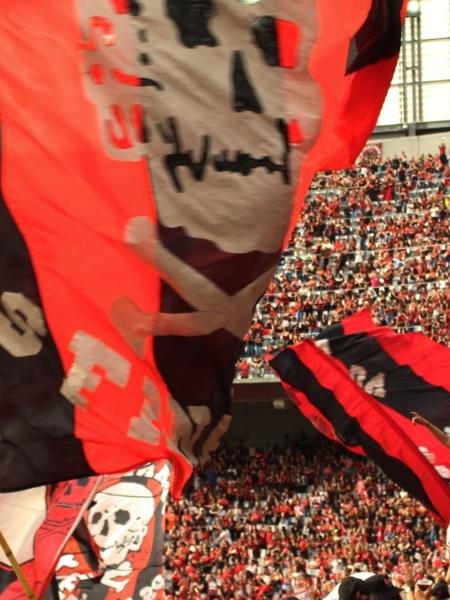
359,383
406,373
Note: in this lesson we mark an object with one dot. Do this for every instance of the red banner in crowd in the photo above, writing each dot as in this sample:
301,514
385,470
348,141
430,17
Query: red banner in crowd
361,388
406,373
101,535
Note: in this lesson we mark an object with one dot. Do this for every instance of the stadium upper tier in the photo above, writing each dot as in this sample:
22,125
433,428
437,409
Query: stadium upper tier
374,236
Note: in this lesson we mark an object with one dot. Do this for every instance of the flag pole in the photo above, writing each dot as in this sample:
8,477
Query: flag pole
17,569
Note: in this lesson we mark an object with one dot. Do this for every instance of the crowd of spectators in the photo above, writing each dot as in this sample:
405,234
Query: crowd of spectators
294,520
374,236
291,522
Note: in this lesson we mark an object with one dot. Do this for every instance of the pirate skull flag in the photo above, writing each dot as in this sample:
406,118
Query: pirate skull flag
359,383
116,552
99,537
155,154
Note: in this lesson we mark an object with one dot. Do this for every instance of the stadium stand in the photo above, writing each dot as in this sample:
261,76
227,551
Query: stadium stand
292,521
375,236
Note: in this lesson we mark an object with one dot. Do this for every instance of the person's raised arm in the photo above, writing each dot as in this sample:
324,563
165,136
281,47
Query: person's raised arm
440,435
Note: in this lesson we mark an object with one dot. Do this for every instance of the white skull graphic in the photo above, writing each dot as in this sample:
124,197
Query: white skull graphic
224,109
214,109
154,591
118,520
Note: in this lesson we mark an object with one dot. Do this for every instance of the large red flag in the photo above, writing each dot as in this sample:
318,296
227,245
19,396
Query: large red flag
154,158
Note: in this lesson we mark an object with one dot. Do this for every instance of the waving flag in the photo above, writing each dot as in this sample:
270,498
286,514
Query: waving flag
101,536
154,159
116,552
406,373
358,385
361,321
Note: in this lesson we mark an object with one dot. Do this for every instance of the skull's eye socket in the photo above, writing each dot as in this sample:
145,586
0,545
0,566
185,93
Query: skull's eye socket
134,7
191,18
265,35
121,517
96,518
278,41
